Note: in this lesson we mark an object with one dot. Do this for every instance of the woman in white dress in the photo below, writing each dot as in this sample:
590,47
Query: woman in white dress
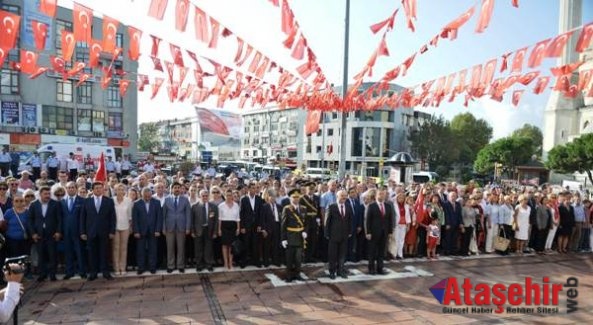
521,220
228,227
123,215
553,205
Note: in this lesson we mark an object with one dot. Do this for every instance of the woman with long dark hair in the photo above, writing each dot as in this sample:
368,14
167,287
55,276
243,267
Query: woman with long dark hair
228,227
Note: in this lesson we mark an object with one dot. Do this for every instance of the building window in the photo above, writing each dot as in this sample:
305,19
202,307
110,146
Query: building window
10,78
61,118
98,121
334,116
64,90
387,141
60,26
309,145
115,122
356,143
82,55
119,40
373,142
84,93
246,130
319,132
113,96
84,120
318,149
330,132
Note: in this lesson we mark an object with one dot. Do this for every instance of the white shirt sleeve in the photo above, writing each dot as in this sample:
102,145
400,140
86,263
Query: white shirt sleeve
11,299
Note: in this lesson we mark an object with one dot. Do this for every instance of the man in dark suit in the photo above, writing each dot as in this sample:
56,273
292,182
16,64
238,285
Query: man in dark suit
147,225
177,225
250,206
379,225
45,218
98,228
71,209
270,230
311,202
293,235
453,224
338,228
204,228
357,242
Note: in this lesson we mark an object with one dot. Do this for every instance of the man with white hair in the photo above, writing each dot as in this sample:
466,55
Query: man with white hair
338,226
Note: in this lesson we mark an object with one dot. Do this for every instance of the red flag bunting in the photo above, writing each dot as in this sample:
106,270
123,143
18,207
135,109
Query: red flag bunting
135,36
176,54
476,77
181,14
556,47
28,61
101,175
585,77
517,97
488,73
585,38
201,25
169,66
289,41
48,7
123,87
287,18
389,22
82,18
68,44
105,81
58,64
518,60
173,91
515,3
215,28
157,9
504,65
450,30
10,29
40,71
109,34
541,84
157,63
312,124
255,62
537,54
39,34
566,69
485,15
527,78
182,74
142,81
408,63
158,81
298,51
410,10
83,77
156,42
76,69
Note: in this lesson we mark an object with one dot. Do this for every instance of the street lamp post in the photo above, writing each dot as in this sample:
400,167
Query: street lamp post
342,149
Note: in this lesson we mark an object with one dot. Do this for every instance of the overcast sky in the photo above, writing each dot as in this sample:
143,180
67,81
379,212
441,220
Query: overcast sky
258,22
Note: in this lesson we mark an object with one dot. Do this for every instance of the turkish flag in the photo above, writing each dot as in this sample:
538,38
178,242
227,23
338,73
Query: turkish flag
488,72
28,61
142,81
181,14
200,95
157,9
82,17
40,71
289,41
450,30
305,70
518,60
298,51
182,74
135,36
173,91
408,63
48,7
240,45
157,63
169,66
585,77
198,75
541,84
84,77
287,18
476,76
375,28
201,25
184,92
68,44
39,34
556,47
312,124
94,53
58,64
158,81
193,56
382,49
176,55
505,59
123,87
255,62
449,83
517,96
261,70
485,15
515,3
562,83
537,54
585,38
461,83
76,69
410,10
10,29
566,69
215,28
527,78
101,175
247,53
109,33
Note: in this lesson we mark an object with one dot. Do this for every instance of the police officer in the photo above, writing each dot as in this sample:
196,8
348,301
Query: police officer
294,223
53,163
311,202
126,166
110,165
36,166
5,162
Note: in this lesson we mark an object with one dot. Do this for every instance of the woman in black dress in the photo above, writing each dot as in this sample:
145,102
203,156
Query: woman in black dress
228,227
566,223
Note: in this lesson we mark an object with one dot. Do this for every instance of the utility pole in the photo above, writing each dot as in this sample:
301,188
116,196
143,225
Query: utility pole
344,117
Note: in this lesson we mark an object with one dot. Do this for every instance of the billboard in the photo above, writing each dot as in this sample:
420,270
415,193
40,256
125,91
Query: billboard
10,113
31,12
220,127
29,114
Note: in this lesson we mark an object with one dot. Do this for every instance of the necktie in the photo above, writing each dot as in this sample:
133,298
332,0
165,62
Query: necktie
97,204
175,203
70,200
206,210
274,212
342,210
382,210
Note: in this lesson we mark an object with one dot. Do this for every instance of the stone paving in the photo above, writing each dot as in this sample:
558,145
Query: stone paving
249,297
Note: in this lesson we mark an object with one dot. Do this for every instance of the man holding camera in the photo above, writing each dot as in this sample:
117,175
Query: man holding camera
10,296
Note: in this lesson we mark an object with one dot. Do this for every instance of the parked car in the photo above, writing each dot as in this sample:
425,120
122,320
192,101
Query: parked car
323,174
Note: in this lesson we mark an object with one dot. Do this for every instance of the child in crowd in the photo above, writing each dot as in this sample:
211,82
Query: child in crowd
433,239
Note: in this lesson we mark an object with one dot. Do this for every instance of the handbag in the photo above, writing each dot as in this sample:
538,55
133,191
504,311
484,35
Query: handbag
25,235
501,243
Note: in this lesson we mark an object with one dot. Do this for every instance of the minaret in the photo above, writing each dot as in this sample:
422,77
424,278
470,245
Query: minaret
561,114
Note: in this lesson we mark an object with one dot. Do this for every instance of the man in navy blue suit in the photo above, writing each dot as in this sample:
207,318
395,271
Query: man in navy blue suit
71,209
453,224
97,228
356,242
45,217
147,225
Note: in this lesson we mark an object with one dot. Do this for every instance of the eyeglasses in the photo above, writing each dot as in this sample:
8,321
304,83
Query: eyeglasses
17,201
59,195
215,192
30,195
3,188
14,184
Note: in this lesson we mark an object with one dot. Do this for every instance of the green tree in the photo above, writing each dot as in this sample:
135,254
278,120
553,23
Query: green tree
148,139
534,133
434,143
509,152
473,134
576,156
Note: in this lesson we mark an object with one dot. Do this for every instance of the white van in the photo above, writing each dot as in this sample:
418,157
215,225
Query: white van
425,177
63,153
323,174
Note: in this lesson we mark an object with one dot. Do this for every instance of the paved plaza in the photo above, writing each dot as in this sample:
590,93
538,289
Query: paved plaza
261,297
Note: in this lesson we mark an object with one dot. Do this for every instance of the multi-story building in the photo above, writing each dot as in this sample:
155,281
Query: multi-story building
179,137
273,133
49,109
372,137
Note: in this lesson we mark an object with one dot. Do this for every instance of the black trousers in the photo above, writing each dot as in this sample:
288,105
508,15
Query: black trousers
312,240
294,259
15,170
47,255
421,251
337,255
466,239
203,249
4,167
377,247
276,249
451,237
98,248
73,174
540,237
251,241
52,172
146,252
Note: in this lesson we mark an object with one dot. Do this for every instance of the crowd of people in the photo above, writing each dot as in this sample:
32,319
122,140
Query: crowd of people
153,221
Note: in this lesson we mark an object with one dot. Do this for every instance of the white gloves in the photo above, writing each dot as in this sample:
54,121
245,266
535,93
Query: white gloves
318,221
285,243
304,235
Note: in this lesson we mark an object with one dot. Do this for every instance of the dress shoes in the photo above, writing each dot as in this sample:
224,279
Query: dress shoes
152,271
53,278
41,278
332,276
343,275
68,277
107,276
92,277
381,272
299,278
181,270
140,272
169,270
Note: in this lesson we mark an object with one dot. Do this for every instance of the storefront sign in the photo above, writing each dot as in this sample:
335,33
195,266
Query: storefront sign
10,113
29,114
46,138
99,141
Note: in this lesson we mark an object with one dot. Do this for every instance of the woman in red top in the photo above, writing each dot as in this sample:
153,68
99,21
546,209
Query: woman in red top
402,222
423,220
412,234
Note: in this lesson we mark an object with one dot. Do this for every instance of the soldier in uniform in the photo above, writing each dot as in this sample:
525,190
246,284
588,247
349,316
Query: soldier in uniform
311,202
36,164
293,234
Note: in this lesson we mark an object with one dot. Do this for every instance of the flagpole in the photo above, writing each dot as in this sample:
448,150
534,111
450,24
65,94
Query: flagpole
344,117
